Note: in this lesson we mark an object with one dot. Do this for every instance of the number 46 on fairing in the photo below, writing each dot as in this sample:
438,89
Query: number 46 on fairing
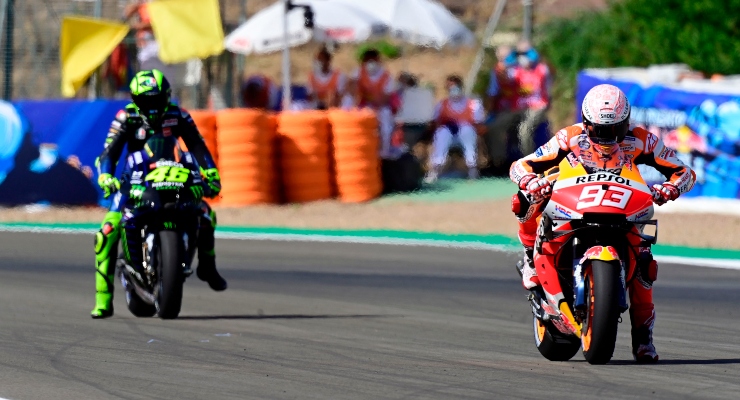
596,195
168,174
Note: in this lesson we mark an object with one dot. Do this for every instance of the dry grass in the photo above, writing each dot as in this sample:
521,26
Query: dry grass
432,66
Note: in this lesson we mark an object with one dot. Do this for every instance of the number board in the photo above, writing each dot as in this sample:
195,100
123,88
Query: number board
168,174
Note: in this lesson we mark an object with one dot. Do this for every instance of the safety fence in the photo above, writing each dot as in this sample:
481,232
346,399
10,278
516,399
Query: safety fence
29,39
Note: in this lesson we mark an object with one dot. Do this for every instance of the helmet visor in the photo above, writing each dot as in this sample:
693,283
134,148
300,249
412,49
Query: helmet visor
151,106
607,134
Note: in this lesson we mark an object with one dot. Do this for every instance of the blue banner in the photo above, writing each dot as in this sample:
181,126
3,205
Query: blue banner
704,128
48,150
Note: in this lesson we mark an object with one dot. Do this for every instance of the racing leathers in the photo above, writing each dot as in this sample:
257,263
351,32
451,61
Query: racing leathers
638,147
129,129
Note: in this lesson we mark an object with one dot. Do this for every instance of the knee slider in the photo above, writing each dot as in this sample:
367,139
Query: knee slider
516,204
647,272
652,271
208,214
648,268
521,207
99,241
103,236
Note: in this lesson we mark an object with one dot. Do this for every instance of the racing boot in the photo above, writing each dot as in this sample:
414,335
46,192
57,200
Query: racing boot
643,320
207,251
106,243
526,269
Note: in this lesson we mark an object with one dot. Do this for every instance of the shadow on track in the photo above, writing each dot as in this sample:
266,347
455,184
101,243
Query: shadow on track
714,361
281,316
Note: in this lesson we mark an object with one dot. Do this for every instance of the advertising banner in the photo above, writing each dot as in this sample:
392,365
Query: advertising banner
704,128
48,150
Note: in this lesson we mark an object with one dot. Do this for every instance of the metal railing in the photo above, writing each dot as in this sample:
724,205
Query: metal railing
30,48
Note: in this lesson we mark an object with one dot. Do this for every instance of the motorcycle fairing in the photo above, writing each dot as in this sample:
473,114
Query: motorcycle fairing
631,198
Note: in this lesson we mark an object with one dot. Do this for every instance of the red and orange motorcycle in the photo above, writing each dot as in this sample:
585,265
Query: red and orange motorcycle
589,240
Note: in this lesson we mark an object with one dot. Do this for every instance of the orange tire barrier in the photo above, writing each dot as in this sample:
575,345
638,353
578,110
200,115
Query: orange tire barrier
356,162
304,156
205,120
245,140
206,123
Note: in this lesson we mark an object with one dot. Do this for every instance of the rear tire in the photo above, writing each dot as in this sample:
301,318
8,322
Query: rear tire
171,278
599,334
552,344
137,306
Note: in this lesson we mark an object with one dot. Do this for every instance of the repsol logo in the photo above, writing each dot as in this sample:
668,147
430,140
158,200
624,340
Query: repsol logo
604,178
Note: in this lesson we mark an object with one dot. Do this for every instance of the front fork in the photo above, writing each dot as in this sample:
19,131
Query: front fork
581,264
189,236
150,243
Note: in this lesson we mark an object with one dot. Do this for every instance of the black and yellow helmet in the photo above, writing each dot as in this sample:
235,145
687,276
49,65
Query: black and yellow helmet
150,92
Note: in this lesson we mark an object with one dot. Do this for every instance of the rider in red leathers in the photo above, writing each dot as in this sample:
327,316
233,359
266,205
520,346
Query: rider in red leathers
604,141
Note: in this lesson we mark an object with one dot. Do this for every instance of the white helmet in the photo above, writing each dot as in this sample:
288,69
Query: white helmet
606,115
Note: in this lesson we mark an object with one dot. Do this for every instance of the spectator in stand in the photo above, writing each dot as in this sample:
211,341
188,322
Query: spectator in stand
374,87
502,93
405,80
326,85
532,78
519,96
501,89
259,92
456,120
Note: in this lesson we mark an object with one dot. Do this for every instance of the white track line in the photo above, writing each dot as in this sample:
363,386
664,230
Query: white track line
691,261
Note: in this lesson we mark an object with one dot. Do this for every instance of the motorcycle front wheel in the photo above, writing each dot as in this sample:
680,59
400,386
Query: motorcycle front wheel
171,278
599,334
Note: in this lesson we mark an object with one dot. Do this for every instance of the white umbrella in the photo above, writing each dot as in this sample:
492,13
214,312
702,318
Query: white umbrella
420,22
263,32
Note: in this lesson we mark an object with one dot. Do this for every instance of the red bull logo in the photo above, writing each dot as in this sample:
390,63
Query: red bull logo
606,253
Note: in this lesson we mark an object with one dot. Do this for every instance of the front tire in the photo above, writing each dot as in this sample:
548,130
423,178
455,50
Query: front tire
170,253
599,334
552,344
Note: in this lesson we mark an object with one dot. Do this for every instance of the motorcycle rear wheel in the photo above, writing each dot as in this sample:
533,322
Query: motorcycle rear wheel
552,344
137,306
599,334
171,278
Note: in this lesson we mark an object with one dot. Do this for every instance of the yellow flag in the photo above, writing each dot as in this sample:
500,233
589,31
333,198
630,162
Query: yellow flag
186,29
84,44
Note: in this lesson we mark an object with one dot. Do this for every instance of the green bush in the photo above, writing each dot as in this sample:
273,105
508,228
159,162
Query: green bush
700,33
386,49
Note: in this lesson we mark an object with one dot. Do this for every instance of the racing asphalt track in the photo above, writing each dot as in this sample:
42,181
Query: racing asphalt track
340,321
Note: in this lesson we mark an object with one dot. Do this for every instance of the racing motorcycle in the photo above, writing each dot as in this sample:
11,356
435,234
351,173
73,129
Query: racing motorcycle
589,240
165,192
